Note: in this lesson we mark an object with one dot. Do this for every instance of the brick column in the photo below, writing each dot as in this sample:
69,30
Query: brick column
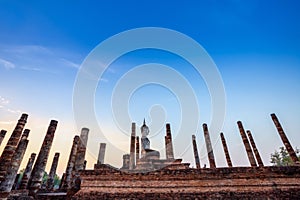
132,147
62,181
11,146
247,145
228,159
126,160
84,165
209,148
15,186
168,143
12,170
256,153
137,149
196,155
41,161
101,154
52,173
284,139
71,164
27,172
81,150
2,135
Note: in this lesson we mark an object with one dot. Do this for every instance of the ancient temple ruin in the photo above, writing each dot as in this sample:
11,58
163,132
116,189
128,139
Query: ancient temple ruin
145,174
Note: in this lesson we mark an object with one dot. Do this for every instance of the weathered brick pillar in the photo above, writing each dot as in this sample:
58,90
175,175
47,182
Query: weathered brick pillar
197,160
228,159
41,161
101,154
52,173
15,186
247,145
27,172
126,160
12,170
2,135
284,139
132,147
11,146
209,148
81,150
84,165
71,164
137,149
168,143
256,153
62,181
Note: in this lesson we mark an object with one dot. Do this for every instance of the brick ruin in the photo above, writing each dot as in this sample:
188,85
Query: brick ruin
144,174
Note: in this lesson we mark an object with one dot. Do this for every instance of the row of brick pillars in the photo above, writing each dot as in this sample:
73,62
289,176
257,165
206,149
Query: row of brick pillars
11,146
12,169
76,160
249,144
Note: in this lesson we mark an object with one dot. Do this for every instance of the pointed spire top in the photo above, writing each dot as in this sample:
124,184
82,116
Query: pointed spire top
144,122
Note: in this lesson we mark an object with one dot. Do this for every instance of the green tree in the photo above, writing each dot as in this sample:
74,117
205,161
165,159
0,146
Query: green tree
57,181
282,158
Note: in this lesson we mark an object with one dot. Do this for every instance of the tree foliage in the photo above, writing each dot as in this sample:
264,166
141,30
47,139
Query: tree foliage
282,158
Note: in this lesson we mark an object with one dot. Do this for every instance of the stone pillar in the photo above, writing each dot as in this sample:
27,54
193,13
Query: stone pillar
255,150
284,139
16,185
247,145
126,160
11,146
52,173
168,143
2,135
41,161
209,148
27,172
132,147
101,154
62,181
228,159
71,164
12,170
197,160
84,165
81,150
137,149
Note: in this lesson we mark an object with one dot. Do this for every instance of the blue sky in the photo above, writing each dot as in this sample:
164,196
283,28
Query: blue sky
255,45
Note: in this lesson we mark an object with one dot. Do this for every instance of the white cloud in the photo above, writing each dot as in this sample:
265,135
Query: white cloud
13,111
28,49
7,122
3,101
6,64
70,63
